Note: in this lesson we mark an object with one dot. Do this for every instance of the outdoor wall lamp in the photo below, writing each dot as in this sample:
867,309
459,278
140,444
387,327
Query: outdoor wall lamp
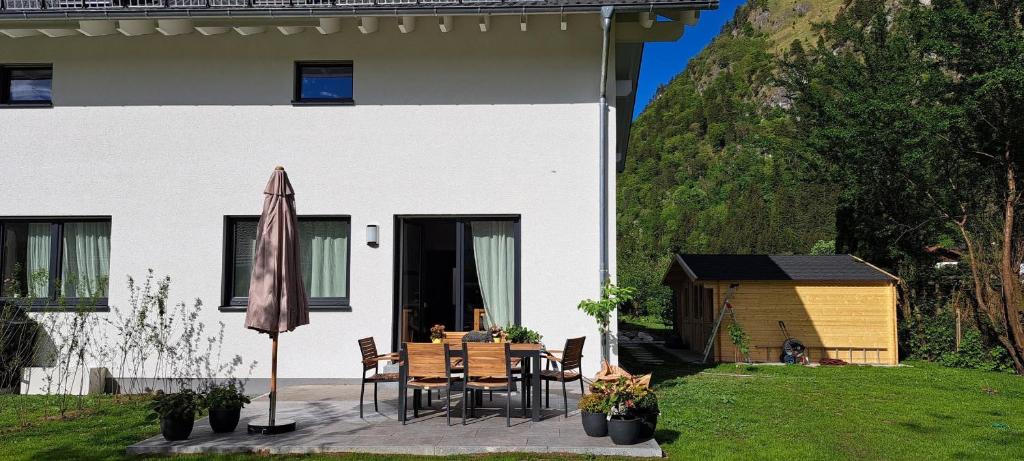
373,235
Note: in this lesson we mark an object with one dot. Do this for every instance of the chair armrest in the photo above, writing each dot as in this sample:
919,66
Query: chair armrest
552,358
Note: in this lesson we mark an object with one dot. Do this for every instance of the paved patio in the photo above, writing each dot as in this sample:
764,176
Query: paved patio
328,422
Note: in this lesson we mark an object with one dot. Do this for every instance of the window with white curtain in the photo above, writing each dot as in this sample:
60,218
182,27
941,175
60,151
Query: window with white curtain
324,245
55,262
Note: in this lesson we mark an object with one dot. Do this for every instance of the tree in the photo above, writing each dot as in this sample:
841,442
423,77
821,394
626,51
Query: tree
919,109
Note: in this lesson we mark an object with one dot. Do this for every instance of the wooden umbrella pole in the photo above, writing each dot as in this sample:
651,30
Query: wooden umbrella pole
273,379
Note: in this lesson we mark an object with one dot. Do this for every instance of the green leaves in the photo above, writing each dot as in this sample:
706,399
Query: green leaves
520,334
601,310
181,404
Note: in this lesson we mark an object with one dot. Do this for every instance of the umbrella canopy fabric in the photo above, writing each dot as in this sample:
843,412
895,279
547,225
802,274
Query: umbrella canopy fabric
277,297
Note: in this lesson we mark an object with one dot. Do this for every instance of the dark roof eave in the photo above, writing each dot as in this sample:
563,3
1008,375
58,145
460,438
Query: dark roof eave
346,11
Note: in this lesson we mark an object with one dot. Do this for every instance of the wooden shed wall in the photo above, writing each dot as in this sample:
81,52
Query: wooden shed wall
855,322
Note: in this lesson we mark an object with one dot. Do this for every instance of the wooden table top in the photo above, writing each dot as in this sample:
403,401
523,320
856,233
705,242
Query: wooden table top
457,346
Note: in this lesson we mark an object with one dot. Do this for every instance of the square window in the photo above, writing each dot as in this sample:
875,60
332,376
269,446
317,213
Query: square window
323,257
323,82
26,84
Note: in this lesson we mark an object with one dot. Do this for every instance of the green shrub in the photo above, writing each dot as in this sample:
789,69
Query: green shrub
182,404
933,338
594,403
520,334
225,397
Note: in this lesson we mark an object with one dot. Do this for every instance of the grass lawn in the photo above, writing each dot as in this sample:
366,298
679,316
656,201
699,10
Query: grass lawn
921,411
722,412
650,324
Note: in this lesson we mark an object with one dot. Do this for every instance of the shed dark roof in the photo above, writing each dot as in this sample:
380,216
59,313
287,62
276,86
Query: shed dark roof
764,267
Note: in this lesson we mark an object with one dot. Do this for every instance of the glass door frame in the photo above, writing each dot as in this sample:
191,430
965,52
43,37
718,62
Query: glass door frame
460,264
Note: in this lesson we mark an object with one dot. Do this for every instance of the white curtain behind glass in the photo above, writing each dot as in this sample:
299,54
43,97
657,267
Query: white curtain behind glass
494,249
324,257
37,261
86,259
245,251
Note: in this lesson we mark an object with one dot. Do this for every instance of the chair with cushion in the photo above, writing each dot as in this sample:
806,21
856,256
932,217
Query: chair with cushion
428,368
571,359
488,368
371,361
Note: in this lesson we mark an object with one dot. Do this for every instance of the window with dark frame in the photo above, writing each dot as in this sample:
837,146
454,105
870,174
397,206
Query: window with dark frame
324,248
323,82
55,262
26,85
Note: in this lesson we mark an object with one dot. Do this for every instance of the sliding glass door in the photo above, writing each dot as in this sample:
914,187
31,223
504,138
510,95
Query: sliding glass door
458,271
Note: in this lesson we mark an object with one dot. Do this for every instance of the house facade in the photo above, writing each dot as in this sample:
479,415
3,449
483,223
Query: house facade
446,157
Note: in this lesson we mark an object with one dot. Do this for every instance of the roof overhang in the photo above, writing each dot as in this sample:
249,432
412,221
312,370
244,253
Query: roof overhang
12,10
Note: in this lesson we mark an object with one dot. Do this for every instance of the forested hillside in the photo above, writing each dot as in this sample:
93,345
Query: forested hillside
890,129
714,164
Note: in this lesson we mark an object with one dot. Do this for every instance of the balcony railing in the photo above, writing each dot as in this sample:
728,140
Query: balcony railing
42,5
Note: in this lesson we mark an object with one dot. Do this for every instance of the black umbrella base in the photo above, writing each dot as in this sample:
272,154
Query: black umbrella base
262,426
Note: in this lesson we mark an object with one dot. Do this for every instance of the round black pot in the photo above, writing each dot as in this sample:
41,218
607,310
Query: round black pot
176,428
649,423
224,419
624,431
595,424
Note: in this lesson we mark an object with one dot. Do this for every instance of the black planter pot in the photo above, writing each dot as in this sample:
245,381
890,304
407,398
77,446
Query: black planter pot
595,424
649,423
624,431
224,419
176,428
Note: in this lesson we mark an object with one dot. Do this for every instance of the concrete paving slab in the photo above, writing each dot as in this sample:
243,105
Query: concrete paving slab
328,422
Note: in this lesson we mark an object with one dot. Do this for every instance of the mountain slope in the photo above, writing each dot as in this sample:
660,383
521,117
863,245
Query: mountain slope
714,163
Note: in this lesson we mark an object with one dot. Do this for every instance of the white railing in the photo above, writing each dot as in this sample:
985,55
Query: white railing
40,5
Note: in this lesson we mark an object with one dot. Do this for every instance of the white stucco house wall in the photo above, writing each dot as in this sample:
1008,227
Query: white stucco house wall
155,124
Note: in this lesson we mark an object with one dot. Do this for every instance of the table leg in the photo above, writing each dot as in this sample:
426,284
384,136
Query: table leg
535,366
401,394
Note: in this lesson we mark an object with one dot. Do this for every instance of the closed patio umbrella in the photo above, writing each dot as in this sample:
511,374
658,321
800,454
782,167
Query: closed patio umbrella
277,298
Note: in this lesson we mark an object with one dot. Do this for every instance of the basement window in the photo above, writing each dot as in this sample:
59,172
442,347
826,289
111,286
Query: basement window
323,83
26,85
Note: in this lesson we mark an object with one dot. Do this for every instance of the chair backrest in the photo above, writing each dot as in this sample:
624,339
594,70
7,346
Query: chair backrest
368,347
488,360
453,337
572,355
427,360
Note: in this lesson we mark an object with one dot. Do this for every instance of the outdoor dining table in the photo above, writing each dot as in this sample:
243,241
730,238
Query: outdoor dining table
530,354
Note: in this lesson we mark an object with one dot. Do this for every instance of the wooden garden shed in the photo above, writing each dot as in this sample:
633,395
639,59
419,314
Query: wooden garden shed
838,306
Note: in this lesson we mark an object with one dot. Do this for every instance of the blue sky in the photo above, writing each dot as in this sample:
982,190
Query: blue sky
662,61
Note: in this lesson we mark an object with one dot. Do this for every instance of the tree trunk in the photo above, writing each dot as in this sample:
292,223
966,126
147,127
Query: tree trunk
1007,272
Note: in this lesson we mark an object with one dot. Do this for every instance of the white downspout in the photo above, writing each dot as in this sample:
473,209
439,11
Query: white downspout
606,25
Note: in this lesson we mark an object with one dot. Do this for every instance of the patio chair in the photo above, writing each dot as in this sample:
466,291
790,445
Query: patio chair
429,367
488,368
571,359
371,361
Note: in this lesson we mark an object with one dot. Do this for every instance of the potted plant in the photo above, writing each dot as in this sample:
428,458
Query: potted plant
437,334
225,403
496,333
522,335
633,410
594,410
176,412
647,411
